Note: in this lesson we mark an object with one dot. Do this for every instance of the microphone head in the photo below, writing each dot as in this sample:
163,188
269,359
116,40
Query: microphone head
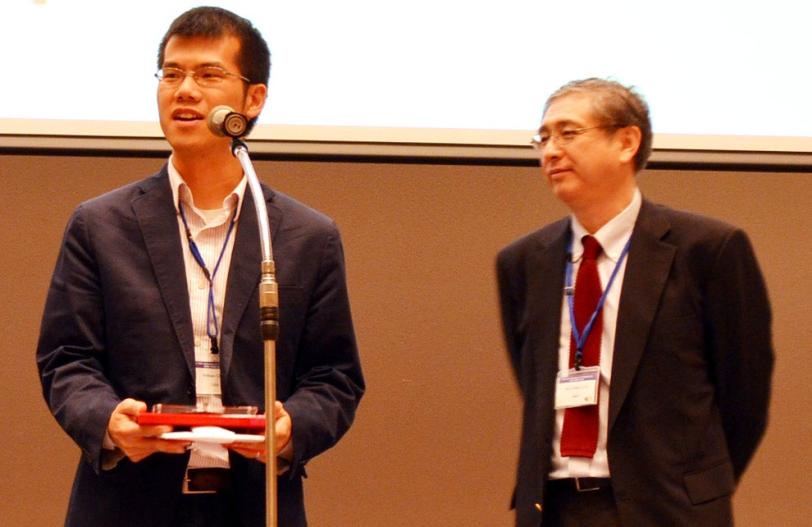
224,121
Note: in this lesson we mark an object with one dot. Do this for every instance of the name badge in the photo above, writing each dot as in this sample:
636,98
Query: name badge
207,370
207,378
576,388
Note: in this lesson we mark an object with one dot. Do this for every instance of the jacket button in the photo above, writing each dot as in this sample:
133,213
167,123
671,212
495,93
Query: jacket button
537,505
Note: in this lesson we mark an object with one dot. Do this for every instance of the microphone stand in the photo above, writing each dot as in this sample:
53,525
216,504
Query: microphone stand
269,326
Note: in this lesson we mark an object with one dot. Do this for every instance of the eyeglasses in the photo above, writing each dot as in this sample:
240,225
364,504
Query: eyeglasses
564,137
205,76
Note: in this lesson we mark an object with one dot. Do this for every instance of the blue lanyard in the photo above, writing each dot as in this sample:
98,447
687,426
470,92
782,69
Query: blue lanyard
580,338
212,329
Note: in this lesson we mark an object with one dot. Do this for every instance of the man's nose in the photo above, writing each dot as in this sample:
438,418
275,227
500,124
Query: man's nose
551,150
188,84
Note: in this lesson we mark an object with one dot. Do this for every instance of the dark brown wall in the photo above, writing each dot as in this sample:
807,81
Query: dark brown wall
435,441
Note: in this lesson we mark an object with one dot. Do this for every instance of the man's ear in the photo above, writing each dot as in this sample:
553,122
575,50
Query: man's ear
629,137
255,97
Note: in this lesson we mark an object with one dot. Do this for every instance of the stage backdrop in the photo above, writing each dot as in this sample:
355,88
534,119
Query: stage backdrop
435,441
730,71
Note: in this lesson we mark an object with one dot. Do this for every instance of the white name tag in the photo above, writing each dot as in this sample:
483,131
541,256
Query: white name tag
207,370
207,378
576,388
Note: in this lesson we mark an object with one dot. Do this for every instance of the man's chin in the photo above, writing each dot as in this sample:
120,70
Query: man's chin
565,192
197,145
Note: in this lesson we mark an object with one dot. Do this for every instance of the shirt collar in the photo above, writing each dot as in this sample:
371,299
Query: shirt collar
182,190
612,236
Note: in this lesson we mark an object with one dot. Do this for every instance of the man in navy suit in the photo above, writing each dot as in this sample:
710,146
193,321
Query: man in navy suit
154,299
657,427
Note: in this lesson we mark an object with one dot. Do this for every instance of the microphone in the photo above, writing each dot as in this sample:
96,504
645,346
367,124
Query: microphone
224,121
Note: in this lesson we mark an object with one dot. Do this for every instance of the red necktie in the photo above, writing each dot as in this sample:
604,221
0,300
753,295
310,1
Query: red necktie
579,436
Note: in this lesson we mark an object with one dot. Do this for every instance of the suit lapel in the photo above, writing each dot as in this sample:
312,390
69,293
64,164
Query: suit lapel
156,217
243,276
646,274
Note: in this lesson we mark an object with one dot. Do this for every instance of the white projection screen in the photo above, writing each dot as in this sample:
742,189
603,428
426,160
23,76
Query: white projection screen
719,75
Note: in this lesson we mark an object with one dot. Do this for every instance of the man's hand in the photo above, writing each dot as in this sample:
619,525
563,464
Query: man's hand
136,441
283,427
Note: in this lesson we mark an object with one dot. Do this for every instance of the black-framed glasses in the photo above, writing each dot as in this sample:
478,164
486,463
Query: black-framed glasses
206,76
562,137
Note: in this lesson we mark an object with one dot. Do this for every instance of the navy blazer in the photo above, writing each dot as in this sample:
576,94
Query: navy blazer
691,368
117,324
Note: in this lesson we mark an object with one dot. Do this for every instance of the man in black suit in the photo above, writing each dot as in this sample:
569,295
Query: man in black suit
656,427
155,300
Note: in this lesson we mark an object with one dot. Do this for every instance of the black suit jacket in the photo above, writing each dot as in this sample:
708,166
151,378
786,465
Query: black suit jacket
117,324
691,367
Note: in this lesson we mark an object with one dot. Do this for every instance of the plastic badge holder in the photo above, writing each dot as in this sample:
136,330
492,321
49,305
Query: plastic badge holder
182,416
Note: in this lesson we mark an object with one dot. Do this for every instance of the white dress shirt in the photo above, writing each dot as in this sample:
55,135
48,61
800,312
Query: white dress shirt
612,237
209,229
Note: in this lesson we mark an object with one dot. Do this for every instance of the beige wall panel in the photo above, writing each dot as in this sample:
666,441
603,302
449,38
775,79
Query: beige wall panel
436,438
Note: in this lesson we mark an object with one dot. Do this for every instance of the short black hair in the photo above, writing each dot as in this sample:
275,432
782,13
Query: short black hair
254,57
616,106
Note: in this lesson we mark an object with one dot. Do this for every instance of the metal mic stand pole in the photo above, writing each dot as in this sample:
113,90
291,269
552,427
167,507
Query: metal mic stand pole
269,325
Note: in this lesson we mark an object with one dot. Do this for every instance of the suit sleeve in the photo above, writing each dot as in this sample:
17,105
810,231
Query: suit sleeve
741,346
509,304
329,381
70,351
